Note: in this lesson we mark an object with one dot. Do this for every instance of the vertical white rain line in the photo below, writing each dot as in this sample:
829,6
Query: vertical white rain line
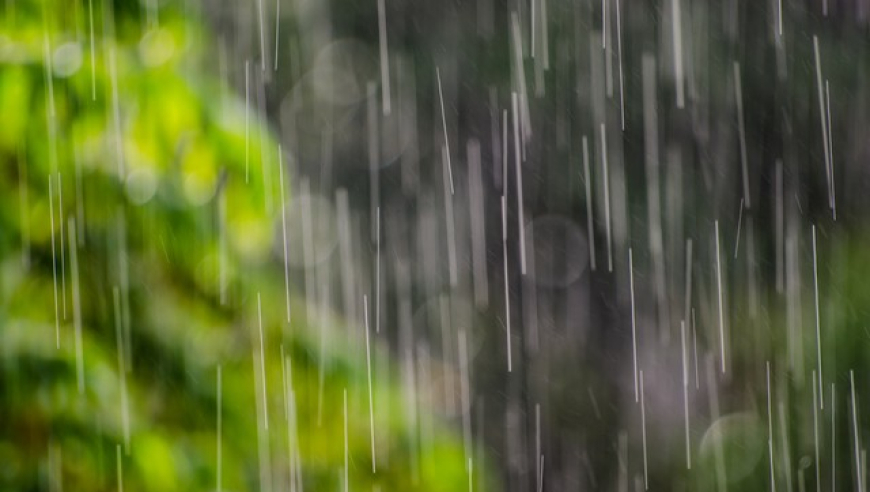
590,226
818,473
741,129
695,351
507,297
822,113
262,362
643,434
739,224
855,431
686,393
689,264
53,261
77,306
609,234
504,152
122,369
385,60
677,28
833,437
621,76
831,151
444,128
720,302
369,373
538,441
520,209
770,431
818,322
633,321
219,425
607,52
284,230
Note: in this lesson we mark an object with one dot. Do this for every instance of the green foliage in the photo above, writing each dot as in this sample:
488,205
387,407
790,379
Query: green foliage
143,187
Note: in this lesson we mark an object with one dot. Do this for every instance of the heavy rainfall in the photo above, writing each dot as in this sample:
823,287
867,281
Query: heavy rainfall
479,245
